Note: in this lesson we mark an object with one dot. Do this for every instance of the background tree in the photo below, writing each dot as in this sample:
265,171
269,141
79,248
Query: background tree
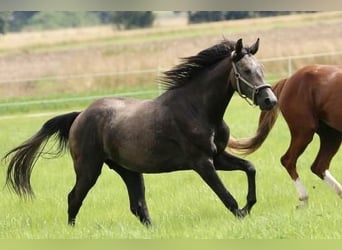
205,16
62,19
20,19
213,16
104,16
5,17
132,19
40,20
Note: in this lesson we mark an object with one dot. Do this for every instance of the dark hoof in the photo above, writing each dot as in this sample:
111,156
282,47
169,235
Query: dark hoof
241,213
71,222
145,220
147,223
247,209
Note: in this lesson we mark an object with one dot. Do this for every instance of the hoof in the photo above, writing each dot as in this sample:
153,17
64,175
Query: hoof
241,213
147,223
304,203
71,222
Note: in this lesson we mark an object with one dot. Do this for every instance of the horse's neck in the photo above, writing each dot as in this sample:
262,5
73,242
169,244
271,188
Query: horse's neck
217,91
217,102
209,93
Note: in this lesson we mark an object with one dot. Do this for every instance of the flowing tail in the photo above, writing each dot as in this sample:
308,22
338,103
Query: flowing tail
267,119
23,158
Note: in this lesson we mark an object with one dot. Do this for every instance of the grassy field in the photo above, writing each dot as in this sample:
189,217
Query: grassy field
180,203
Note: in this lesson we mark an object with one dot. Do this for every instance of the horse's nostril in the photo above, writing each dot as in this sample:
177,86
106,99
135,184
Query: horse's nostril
268,101
271,101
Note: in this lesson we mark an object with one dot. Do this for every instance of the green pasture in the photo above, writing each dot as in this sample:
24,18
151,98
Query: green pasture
70,101
181,204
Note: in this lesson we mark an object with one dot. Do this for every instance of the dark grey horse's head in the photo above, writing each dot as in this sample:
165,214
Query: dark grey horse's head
248,76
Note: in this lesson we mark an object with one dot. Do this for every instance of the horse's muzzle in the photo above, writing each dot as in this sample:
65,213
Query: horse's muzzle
265,99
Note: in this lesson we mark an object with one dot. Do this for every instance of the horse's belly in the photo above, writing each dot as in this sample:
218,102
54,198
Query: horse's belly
335,123
330,113
143,152
145,162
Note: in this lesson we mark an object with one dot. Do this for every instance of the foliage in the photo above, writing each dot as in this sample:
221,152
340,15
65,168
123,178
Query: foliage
38,20
133,19
213,16
54,20
20,19
42,20
104,16
4,19
205,16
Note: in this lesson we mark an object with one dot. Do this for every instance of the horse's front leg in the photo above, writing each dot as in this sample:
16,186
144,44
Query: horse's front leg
228,162
205,168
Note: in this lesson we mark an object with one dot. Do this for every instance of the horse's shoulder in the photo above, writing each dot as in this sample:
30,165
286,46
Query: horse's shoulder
221,136
222,128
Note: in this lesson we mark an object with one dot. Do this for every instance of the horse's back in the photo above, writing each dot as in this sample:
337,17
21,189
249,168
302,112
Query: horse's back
102,111
104,118
313,94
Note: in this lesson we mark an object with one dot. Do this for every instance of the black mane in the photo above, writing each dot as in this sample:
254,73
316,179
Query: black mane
179,75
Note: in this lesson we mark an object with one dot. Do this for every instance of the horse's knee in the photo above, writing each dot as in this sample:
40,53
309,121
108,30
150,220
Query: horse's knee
284,161
290,166
250,170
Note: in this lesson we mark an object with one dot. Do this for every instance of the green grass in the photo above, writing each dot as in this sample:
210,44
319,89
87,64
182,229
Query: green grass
55,102
181,204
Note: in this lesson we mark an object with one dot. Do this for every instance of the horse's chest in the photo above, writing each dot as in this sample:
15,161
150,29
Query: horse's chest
203,139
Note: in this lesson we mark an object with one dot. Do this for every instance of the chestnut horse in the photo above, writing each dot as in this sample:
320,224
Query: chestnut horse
310,101
182,129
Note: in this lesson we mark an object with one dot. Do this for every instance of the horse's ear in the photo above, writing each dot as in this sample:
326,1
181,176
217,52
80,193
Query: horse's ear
238,46
254,48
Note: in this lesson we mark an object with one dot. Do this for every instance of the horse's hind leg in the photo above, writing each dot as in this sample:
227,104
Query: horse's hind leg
229,162
87,172
330,142
136,191
299,141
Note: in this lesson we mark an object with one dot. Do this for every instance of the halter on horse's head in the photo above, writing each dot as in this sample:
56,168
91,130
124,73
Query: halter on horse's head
249,77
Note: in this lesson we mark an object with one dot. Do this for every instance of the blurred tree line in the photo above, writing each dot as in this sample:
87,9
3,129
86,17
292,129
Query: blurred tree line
42,20
45,20
214,16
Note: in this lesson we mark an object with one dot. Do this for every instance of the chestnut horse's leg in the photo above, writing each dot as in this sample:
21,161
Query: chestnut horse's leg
136,191
299,141
331,181
330,142
228,162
